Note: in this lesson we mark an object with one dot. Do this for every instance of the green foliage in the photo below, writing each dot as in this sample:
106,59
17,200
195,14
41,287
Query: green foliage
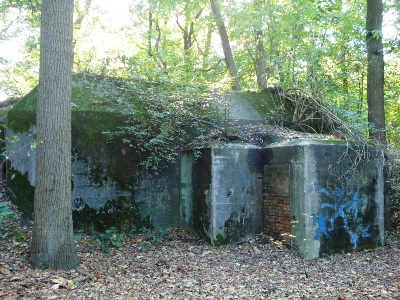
317,46
394,174
376,34
122,214
163,117
17,236
109,238
149,236
392,103
5,212
114,238
20,190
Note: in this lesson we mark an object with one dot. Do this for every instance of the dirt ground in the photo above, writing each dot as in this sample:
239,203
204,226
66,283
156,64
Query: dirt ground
177,265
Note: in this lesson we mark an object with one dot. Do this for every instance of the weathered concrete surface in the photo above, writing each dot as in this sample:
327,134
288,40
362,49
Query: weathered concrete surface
322,197
106,174
336,196
222,200
97,180
250,107
235,109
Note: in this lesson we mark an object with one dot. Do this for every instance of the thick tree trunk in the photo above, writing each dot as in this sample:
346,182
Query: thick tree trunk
375,89
230,63
375,78
53,240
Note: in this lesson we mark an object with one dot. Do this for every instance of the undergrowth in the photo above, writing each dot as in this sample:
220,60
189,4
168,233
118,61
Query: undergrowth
5,214
114,238
394,168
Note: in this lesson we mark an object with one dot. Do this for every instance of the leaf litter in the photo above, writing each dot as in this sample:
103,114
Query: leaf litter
181,266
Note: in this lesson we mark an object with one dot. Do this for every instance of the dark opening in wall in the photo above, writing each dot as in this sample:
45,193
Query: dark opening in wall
276,201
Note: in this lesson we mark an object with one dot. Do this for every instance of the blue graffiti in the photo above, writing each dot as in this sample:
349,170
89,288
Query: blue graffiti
343,204
364,232
353,238
321,222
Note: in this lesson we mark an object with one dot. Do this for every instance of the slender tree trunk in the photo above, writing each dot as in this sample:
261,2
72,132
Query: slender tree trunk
81,13
207,46
150,31
188,35
260,52
375,90
230,63
53,240
260,62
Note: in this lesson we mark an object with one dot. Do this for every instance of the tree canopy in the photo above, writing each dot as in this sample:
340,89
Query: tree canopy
316,48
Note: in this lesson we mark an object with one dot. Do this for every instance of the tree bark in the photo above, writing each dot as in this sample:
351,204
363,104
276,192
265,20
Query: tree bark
375,91
230,63
375,78
260,61
53,240
150,30
260,65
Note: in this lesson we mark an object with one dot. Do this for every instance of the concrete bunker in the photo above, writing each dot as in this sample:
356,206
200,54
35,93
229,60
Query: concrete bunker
109,187
323,197
304,191
222,192
319,197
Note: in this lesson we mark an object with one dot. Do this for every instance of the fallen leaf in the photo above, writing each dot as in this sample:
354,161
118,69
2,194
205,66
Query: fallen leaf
135,281
61,282
17,279
5,271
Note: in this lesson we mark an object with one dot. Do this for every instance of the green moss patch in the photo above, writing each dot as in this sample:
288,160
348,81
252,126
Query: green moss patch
122,214
269,106
234,229
20,190
107,156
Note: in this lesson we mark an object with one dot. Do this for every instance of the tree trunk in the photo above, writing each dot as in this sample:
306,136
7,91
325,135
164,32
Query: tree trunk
53,240
150,31
260,62
230,63
260,52
207,46
375,90
375,78
81,13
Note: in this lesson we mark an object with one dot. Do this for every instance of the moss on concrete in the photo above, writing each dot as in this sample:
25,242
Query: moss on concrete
124,214
20,190
106,155
234,229
89,93
268,105
332,142
23,115
94,113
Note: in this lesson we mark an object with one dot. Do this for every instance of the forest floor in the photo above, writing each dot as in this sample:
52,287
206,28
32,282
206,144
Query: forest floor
177,265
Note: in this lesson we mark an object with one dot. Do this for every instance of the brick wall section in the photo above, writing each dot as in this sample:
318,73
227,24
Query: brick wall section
276,201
